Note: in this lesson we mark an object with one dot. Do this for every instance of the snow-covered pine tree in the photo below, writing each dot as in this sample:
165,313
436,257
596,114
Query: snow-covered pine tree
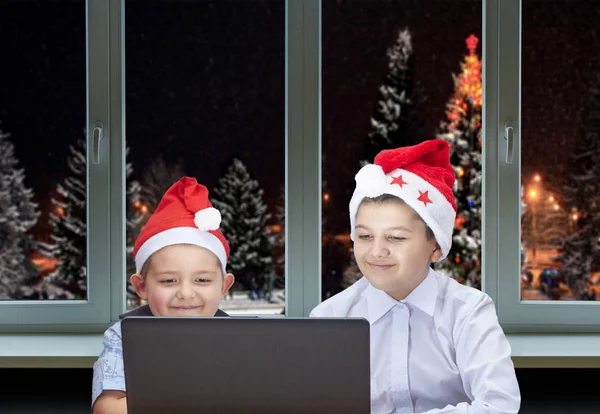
136,213
278,241
580,250
69,230
462,130
135,216
28,217
18,215
239,198
576,256
68,241
157,179
351,273
390,124
335,253
142,199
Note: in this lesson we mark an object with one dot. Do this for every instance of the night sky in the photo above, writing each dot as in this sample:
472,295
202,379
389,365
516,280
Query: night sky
205,82
561,62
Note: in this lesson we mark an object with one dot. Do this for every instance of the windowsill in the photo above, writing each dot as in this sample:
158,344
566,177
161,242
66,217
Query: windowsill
555,345
81,350
555,350
45,350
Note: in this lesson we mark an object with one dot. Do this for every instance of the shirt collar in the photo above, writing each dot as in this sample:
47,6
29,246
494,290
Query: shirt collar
378,303
423,297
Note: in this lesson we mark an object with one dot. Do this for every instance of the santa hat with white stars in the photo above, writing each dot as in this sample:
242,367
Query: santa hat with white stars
421,175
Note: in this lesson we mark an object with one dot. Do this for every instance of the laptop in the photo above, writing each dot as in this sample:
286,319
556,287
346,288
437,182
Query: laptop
246,365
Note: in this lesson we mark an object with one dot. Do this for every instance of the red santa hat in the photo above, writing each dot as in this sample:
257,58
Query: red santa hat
421,175
184,215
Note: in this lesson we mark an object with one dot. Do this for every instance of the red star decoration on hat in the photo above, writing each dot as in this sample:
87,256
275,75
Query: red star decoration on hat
398,180
424,197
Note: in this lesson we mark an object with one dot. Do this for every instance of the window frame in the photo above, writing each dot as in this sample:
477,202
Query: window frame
303,157
94,312
516,315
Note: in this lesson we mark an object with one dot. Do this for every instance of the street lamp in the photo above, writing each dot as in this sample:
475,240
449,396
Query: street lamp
533,196
573,216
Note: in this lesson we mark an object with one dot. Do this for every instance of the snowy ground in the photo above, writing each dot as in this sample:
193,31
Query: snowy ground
241,304
536,294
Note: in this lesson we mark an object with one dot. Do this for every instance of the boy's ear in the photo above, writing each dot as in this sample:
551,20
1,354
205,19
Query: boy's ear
228,281
436,254
137,281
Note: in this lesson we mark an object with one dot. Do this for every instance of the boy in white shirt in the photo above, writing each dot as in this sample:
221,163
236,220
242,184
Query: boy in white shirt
436,345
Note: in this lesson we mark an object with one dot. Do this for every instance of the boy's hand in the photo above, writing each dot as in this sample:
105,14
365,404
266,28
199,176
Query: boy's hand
111,402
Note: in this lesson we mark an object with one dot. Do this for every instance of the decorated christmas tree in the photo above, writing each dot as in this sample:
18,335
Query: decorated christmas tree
462,130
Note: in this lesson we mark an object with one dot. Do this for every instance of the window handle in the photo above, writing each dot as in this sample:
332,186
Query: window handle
509,136
97,135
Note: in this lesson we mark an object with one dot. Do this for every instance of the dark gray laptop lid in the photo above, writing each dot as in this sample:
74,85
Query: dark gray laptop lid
246,365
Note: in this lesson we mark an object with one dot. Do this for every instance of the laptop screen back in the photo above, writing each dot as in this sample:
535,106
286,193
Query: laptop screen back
246,365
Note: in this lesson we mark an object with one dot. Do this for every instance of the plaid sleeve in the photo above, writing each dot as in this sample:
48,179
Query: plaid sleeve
108,369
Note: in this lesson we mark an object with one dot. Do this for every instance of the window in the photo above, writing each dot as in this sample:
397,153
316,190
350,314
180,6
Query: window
53,210
43,142
555,267
561,106
205,97
201,83
413,76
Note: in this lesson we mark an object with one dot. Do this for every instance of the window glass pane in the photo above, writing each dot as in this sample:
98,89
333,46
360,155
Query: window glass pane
560,144
205,97
396,73
43,185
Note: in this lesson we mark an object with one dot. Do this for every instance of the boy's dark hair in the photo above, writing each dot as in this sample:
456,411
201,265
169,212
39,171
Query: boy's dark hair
389,198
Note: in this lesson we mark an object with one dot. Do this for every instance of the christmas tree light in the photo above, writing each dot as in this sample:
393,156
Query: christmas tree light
462,130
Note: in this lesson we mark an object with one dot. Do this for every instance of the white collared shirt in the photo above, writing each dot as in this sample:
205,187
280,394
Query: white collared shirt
440,350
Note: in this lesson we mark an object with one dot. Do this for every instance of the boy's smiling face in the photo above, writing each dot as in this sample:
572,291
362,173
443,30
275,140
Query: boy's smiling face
183,280
391,247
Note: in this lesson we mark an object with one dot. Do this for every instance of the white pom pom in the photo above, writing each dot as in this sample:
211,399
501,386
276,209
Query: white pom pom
207,219
371,181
